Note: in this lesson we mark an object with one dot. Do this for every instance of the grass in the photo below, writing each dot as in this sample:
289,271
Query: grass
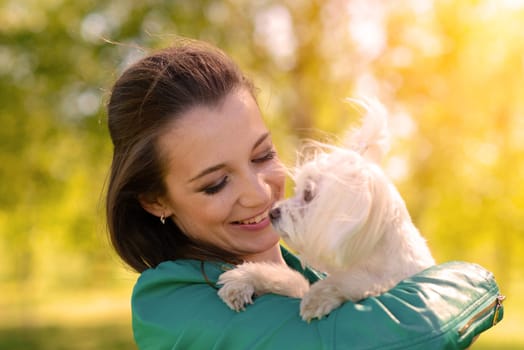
66,319
500,338
103,336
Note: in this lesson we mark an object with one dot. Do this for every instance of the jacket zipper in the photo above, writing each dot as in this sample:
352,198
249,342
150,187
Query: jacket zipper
497,304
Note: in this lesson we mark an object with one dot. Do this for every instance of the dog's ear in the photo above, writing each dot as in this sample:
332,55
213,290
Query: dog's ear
365,222
372,139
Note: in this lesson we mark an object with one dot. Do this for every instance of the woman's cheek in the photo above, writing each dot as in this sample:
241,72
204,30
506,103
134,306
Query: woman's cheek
278,179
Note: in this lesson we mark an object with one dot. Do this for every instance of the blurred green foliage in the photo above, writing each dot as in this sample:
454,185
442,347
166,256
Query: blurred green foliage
451,73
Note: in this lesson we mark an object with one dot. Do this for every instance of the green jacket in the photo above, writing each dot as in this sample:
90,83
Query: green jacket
443,307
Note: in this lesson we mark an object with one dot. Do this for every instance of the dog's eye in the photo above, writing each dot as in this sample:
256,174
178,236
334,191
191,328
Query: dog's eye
308,192
308,195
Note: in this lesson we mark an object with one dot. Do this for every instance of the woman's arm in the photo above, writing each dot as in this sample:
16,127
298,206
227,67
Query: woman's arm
443,307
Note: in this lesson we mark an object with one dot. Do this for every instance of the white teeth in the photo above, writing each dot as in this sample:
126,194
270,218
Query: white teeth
256,219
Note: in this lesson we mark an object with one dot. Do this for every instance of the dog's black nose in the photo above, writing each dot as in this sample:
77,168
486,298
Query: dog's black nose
274,214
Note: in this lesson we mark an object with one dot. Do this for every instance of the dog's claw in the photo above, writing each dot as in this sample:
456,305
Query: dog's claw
235,293
236,296
318,303
310,312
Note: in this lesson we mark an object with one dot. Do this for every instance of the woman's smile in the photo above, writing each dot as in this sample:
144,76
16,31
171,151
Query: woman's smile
255,219
256,222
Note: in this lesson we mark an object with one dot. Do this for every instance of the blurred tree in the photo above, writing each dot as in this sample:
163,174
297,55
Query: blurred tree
451,73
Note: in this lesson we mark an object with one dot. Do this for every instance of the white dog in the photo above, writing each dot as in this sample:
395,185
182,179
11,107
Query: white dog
346,219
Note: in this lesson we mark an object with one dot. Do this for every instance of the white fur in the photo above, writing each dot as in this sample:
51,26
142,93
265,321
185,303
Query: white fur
241,283
346,219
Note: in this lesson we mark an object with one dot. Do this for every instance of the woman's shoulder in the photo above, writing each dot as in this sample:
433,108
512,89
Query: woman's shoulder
188,271
180,271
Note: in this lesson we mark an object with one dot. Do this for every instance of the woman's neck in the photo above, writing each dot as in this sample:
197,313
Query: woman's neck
273,255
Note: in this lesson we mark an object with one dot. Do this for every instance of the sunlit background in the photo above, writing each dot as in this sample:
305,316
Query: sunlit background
451,72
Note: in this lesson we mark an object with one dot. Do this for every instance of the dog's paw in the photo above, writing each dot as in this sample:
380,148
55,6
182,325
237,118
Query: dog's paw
236,293
319,302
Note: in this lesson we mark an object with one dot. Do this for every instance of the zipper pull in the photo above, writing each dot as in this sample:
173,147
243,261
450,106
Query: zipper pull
500,299
497,304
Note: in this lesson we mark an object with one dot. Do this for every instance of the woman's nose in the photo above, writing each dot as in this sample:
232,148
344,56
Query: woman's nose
256,191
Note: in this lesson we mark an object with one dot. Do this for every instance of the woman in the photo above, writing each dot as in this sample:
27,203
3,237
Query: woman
193,177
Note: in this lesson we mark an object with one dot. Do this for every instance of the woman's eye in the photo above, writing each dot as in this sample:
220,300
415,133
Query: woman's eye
215,188
268,156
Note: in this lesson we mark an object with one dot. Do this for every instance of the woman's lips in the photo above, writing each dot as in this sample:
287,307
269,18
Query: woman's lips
254,220
257,222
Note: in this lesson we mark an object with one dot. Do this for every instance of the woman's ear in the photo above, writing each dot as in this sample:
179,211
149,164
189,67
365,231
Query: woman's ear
153,205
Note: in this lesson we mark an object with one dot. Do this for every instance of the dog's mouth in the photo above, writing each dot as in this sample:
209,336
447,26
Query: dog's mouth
275,215
283,234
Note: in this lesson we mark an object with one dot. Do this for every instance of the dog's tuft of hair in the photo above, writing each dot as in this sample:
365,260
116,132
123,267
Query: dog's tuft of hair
372,138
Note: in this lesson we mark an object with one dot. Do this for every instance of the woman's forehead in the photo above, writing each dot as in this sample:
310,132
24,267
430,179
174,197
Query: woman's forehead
205,135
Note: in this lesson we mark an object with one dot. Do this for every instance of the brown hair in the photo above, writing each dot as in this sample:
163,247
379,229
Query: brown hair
144,101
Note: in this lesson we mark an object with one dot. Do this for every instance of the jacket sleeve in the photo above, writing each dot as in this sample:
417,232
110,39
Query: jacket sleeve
444,307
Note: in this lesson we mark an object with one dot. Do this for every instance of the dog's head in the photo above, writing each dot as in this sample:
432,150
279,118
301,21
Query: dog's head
342,199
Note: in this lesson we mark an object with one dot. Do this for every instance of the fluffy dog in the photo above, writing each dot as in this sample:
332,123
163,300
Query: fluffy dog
346,219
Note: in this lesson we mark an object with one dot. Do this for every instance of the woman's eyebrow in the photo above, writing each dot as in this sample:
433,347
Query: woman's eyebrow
261,139
217,167
207,171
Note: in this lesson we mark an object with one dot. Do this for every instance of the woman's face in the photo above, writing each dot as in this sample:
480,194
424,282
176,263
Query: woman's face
223,176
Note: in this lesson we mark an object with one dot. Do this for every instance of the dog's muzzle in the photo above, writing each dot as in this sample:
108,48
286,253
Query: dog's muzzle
274,214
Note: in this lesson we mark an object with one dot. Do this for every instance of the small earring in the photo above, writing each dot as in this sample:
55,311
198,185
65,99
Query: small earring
162,219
